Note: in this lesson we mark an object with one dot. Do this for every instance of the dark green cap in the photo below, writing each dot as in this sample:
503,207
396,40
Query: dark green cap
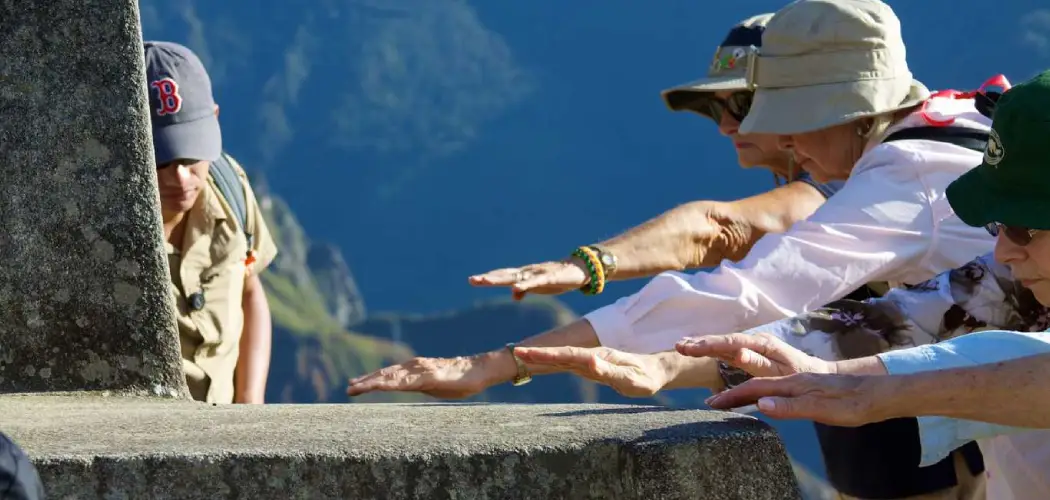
1012,185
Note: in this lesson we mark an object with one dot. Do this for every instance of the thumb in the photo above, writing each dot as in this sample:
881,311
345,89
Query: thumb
754,363
798,407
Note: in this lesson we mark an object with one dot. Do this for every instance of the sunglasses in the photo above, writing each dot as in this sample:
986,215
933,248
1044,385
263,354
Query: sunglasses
737,105
1017,235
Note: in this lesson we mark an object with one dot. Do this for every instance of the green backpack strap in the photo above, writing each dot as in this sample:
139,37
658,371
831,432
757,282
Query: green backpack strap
228,182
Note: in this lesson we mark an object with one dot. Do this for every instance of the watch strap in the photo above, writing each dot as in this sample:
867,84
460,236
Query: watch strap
523,376
606,258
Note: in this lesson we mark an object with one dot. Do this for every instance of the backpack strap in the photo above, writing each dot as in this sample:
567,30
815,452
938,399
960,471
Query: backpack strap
960,136
228,183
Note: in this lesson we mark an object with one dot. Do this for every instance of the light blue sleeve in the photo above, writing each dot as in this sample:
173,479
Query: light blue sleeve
940,435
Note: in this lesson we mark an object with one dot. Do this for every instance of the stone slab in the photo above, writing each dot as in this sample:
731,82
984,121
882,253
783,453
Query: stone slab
84,290
89,447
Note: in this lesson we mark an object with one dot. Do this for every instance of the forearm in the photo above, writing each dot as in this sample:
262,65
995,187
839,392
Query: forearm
870,365
747,220
673,241
579,333
961,393
253,363
1012,393
703,233
990,376
679,371
686,372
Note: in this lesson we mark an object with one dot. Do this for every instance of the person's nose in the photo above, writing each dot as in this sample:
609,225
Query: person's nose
174,175
183,173
1007,252
785,143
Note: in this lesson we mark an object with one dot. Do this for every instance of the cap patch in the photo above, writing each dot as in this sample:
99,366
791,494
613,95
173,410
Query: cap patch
168,96
994,151
729,60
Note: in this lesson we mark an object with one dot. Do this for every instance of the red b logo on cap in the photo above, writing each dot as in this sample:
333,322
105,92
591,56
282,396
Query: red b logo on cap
168,95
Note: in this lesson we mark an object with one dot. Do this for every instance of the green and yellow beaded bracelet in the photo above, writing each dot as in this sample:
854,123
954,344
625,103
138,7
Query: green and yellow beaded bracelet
594,269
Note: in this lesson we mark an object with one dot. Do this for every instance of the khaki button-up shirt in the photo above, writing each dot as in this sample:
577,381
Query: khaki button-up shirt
212,261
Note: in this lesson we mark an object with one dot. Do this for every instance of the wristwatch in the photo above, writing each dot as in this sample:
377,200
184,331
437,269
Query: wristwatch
523,376
731,376
607,258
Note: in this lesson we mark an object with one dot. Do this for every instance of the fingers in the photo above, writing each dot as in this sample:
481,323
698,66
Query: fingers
730,345
714,345
754,363
807,407
751,391
511,276
403,377
499,277
581,361
545,278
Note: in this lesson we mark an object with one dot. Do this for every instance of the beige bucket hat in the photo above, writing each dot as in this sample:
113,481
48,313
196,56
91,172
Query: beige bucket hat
828,62
728,69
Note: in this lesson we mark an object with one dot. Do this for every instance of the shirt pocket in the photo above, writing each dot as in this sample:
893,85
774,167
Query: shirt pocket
223,287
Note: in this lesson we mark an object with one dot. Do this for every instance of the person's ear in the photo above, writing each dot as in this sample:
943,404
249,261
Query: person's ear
216,110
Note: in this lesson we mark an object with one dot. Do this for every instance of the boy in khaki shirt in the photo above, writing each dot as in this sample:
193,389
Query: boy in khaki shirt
223,315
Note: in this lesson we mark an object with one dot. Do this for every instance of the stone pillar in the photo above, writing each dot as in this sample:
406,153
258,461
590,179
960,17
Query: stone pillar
84,295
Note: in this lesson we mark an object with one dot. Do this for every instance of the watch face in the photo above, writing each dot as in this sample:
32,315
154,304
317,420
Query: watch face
607,260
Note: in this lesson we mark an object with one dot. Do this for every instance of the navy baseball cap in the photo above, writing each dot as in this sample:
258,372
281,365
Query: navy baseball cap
182,108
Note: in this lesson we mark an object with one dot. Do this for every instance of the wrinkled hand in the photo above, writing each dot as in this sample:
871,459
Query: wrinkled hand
629,374
446,378
843,400
760,354
547,278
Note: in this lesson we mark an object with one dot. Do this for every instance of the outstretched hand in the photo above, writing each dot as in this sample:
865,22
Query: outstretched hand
629,374
842,400
446,378
760,354
546,278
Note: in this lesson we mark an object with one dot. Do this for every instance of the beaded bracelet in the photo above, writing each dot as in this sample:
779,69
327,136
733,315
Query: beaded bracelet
594,269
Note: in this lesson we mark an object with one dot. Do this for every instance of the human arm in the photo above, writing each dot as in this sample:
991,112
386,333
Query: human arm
253,361
975,386
879,227
703,233
465,376
851,239
978,295
994,376
692,235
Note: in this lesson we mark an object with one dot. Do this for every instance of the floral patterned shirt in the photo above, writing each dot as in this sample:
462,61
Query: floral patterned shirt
981,295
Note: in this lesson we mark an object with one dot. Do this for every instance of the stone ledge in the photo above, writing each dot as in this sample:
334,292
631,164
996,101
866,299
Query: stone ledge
117,447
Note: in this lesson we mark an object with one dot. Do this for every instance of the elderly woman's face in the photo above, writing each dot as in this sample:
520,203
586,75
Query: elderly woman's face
752,150
1027,253
827,154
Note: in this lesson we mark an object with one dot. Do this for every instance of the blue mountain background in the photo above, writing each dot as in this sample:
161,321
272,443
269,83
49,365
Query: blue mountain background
400,146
